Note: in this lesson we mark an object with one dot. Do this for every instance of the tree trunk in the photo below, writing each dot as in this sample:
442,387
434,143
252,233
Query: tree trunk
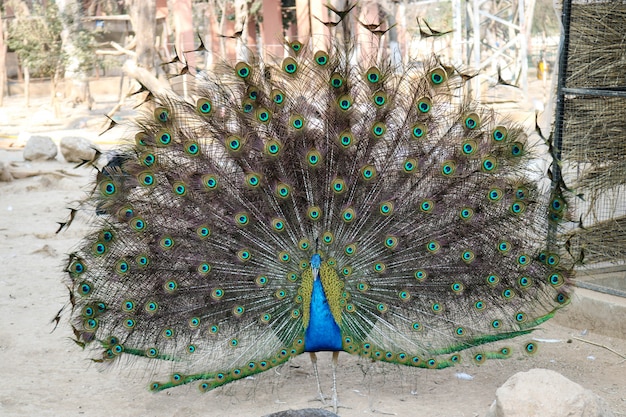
143,18
3,67
27,86
77,80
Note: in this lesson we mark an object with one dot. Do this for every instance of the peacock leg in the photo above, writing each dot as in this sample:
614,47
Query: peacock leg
317,376
334,365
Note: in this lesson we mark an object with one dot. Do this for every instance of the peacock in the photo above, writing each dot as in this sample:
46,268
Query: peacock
316,204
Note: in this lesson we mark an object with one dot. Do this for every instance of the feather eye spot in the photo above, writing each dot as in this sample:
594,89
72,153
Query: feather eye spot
373,75
556,279
438,76
261,280
282,190
525,282
378,129
489,164
99,249
290,66
427,206
204,106
192,148
234,143
265,318
297,122
170,286
499,134
85,288
328,237
137,224
161,114
217,294
238,311
107,188
368,172
468,256
418,131
379,98
348,215
518,207
436,308
180,188
409,166
424,105
448,168
466,213
204,268
469,147
278,225
386,208
278,97
244,255
203,232
472,121
209,182
350,249
321,58
391,242
345,102
517,149
338,185
433,246
165,138
243,70
336,80
457,287
479,305
495,194
284,257
263,115
166,242
314,213
493,280
420,275
313,158
242,219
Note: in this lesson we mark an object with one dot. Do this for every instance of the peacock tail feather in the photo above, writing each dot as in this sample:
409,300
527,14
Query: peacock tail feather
317,205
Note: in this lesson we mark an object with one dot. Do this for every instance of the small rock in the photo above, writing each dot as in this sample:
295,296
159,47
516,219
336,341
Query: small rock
40,147
545,393
77,149
5,174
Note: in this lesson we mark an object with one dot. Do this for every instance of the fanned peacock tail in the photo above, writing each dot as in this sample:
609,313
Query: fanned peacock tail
413,207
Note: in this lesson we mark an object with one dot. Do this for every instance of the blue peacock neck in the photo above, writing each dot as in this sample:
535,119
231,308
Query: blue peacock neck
322,312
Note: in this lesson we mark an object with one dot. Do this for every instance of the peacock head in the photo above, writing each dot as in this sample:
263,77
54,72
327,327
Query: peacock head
316,261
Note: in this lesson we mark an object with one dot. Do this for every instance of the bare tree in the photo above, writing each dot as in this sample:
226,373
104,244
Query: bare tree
143,18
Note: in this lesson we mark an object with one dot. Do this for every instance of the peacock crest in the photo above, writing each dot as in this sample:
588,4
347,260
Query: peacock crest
317,204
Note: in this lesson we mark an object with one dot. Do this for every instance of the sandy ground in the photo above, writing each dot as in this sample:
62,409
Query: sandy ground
45,374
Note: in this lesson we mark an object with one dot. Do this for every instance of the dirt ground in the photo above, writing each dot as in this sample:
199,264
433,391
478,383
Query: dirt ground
45,374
